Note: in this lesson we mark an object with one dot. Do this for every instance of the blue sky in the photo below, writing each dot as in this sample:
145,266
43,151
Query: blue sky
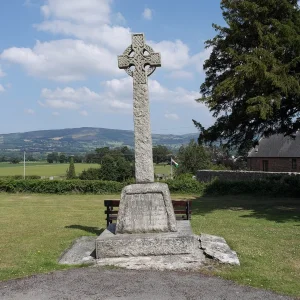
58,62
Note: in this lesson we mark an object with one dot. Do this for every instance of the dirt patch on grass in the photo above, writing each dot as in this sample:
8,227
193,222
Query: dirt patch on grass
296,264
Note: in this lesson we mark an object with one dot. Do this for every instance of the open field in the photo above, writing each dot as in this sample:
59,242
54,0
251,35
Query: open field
163,169
265,232
45,169
41,169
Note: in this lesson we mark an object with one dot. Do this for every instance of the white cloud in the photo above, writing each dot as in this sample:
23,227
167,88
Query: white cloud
89,20
79,95
55,114
122,89
84,113
116,97
78,99
87,11
171,116
98,42
147,14
175,55
199,59
63,60
60,104
178,95
29,111
119,18
2,74
116,38
68,60
181,75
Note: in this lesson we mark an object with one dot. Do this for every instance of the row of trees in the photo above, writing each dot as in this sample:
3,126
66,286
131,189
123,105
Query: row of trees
15,159
116,166
62,158
161,154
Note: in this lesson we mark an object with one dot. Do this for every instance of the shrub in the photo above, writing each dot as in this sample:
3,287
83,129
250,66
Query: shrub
71,174
191,158
90,174
115,168
185,185
112,169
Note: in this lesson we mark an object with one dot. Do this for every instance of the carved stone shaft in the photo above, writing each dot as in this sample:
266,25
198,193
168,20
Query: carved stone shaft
144,60
144,170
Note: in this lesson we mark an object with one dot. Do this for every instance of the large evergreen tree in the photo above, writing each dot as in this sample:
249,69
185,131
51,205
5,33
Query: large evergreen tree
252,76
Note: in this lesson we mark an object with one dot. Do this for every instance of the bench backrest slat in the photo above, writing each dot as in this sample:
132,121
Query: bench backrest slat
180,207
112,203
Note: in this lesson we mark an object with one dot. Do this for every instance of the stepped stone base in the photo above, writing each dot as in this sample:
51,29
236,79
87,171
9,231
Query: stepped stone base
109,244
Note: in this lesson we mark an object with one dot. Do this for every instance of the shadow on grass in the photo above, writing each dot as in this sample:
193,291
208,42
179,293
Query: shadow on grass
272,209
94,230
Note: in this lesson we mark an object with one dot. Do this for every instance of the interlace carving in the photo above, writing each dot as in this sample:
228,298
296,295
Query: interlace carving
142,57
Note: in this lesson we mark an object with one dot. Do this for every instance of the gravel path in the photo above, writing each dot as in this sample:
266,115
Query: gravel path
97,283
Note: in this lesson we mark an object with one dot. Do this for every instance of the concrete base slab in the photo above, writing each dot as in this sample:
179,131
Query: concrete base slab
208,248
165,262
82,251
216,247
109,244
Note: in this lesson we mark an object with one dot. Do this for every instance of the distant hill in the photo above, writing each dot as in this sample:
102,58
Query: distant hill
81,140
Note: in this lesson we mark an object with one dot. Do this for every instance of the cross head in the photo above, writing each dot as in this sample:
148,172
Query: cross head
141,57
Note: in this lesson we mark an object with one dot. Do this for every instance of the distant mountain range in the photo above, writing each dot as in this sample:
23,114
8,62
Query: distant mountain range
81,140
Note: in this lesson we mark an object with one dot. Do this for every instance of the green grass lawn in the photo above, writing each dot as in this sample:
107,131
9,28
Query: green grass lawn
162,169
36,229
45,169
41,169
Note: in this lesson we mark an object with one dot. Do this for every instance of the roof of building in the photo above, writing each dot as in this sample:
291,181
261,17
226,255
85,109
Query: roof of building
277,146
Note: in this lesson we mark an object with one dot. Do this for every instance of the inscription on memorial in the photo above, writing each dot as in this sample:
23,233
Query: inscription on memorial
147,213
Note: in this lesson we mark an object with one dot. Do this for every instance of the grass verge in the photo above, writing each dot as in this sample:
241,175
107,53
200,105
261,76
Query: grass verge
265,232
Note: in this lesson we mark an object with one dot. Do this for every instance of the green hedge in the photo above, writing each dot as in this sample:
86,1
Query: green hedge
61,186
17,177
288,186
88,186
280,186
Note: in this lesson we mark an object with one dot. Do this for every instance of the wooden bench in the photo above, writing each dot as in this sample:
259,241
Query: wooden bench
182,210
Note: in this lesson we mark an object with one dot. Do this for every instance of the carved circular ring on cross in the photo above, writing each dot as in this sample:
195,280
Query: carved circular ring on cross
145,52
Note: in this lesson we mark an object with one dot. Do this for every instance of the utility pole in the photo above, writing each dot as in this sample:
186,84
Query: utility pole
24,166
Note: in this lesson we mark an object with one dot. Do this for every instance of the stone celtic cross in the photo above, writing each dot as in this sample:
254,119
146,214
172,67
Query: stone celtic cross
144,60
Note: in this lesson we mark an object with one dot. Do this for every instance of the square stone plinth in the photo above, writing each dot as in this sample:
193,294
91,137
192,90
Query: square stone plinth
109,244
146,208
